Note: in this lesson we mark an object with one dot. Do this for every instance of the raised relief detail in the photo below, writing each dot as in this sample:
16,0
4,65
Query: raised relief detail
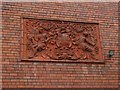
47,40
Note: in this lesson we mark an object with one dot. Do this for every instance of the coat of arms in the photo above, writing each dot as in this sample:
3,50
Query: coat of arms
49,40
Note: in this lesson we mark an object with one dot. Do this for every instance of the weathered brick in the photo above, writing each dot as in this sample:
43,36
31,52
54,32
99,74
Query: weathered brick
21,74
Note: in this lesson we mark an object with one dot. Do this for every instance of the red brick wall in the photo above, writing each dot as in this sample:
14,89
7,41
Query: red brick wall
20,74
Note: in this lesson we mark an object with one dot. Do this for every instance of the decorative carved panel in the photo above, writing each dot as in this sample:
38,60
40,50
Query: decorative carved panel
54,40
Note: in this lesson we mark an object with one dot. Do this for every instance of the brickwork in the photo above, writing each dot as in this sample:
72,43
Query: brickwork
25,74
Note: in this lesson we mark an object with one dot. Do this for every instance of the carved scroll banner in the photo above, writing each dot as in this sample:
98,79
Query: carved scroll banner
64,41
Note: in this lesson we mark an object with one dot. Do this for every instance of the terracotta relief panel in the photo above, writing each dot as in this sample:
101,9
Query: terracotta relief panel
66,41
